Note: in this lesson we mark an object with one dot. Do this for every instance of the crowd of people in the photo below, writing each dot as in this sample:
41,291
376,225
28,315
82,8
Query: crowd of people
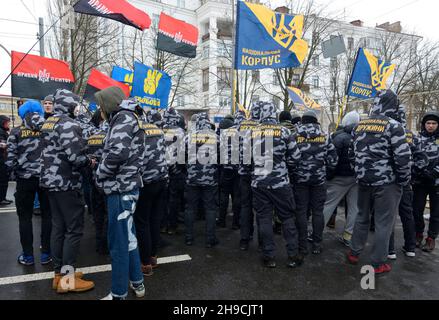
142,173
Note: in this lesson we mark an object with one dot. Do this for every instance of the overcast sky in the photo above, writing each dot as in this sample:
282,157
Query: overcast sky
418,16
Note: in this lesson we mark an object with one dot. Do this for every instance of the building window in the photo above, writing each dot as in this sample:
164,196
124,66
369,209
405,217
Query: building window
206,102
206,52
275,79
223,75
333,84
223,50
181,4
316,81
295,80
225,102
315,61
180,101
255,76
255,98
205,79
350,43
333,63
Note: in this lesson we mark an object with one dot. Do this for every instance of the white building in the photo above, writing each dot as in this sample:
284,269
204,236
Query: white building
325,78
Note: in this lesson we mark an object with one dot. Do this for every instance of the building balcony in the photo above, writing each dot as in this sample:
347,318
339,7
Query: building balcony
203,2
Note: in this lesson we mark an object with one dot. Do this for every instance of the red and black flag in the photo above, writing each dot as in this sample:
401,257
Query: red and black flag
177,37
36,77
119,10
99,81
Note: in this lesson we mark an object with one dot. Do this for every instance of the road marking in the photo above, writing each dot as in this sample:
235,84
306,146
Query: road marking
8,209
86,270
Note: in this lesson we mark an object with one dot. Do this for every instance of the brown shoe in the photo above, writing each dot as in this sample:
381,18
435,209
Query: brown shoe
429,245
58,277
153,262
79,285
147,270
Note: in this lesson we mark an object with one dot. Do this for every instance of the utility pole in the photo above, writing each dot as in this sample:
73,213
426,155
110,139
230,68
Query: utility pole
233,84
40,38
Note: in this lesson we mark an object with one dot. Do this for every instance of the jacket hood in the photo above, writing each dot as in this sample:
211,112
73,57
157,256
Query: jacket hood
110,99
3,120
385,104
30,106
310,130
226,123
154,117
202,122
350,119
65,102
268,111
171,118
33,121
401,116
239,117
255,112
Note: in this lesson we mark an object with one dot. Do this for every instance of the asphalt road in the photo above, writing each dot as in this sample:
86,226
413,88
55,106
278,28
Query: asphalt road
225,272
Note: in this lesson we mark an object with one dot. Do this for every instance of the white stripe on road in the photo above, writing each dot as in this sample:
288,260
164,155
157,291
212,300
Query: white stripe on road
8,210
86,270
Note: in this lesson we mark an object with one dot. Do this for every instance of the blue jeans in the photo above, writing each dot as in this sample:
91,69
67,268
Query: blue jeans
122,242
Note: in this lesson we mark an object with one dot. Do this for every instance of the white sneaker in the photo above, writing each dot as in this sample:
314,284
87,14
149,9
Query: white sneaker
391,256
110,297
139,290
410,254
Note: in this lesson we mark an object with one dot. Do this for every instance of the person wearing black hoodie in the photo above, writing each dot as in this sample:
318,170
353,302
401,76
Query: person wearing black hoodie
426,182
4,177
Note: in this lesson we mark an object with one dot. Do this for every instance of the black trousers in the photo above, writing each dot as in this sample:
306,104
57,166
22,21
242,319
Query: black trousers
4,179
420,193
407,220
67,209
151,207
99,209
310,198
246,214
207,196
24,201
281,199
229,186
175,201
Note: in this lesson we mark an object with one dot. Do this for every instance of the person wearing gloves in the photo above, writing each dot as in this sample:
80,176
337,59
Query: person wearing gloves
24,156
119,175
63,157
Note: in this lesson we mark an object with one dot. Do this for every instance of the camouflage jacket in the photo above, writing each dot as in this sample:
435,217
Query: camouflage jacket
202,154
120,169
426,172
87,127
318,154
155,167
279,155
245,146
380,151
174,140
25,146
63,154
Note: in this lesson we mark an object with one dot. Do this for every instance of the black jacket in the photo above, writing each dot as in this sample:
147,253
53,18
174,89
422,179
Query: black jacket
342,139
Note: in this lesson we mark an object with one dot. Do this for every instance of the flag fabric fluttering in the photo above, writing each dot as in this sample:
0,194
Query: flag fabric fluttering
302,102
177,37
369,75
268,39
151,87
36,77
119,10
123,75
99,81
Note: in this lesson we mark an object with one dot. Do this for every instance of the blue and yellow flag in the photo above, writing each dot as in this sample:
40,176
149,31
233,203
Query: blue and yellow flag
301,102
151,87
268,39
123,75
369,75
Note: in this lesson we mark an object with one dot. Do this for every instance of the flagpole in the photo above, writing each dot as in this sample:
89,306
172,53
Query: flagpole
38,41
233,89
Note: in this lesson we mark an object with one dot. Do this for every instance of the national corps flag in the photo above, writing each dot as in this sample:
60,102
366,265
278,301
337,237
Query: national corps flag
99,81
123,75
119,10
177,37
36,77
151,87
301,102
369,75
268,39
